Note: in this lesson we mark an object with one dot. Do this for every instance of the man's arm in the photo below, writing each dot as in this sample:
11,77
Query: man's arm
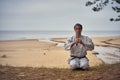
88,45
69,43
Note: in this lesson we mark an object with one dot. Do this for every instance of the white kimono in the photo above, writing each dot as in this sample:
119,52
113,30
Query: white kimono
79,51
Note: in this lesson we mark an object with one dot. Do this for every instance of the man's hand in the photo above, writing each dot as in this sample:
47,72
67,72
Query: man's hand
75,42
80,41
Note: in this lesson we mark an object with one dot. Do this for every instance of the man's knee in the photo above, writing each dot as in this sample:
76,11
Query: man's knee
84,64
74,64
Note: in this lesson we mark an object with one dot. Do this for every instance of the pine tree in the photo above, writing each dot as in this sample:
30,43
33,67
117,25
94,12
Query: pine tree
99,5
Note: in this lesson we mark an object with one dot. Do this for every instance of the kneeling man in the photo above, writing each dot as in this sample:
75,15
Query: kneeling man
78,46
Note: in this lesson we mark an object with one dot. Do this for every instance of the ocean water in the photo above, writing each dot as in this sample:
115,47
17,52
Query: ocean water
18,35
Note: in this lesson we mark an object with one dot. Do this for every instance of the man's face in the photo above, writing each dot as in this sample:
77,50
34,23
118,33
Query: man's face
78,29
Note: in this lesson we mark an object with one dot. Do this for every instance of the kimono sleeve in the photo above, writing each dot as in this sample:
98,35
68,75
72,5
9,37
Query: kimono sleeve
89,44
68,44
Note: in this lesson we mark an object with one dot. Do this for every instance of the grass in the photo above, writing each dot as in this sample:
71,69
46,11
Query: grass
102,72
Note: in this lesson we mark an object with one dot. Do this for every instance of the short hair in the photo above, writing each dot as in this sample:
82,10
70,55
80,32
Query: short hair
78,25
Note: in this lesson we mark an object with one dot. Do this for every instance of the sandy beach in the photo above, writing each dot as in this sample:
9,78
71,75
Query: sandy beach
38,53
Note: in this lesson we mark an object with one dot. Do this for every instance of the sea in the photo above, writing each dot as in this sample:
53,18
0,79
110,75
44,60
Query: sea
19,35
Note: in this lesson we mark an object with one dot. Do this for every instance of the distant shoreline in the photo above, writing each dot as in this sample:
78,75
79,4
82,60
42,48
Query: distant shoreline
19,35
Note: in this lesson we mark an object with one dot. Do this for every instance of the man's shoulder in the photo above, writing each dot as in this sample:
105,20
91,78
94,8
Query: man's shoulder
86,37
70,38
81,36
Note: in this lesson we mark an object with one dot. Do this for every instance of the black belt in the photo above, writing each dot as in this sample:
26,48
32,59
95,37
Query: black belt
77,57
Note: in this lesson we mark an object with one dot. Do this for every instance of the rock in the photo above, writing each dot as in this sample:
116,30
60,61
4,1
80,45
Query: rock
44,53
95,53
4,56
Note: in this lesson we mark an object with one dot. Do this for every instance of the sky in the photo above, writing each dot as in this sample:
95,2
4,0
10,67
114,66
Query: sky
54,15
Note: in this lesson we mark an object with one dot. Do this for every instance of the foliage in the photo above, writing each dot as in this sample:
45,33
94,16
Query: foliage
99,5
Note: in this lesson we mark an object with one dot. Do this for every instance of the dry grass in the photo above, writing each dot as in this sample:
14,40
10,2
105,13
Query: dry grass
102,72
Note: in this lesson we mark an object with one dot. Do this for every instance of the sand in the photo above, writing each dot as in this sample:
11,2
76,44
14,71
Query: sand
32,53
36,53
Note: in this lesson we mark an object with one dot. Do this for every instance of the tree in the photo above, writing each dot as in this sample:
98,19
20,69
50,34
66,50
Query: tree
99,5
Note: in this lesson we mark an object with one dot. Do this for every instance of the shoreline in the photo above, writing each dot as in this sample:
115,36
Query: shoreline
40,53
98,41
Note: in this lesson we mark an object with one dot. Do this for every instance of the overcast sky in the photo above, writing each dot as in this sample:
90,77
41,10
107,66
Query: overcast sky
53,15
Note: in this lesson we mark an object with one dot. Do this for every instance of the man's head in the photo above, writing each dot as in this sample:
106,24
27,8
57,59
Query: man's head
78,28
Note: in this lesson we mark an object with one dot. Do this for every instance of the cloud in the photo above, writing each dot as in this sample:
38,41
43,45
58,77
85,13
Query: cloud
51,14
36,7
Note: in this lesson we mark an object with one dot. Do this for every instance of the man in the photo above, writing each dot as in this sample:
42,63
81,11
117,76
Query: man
78,46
